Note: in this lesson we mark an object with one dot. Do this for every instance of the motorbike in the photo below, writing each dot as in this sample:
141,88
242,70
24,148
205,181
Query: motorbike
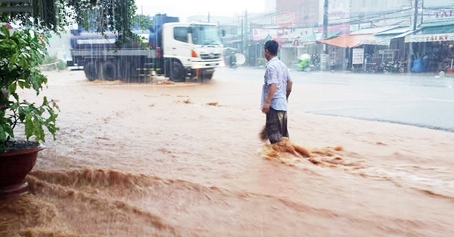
232,62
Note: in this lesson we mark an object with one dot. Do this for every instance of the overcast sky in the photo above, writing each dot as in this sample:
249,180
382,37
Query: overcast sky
185,8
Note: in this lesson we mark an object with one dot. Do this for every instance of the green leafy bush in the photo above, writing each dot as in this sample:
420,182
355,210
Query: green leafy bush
21,55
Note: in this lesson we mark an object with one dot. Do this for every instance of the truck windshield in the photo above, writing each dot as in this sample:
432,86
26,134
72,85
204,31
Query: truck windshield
205,35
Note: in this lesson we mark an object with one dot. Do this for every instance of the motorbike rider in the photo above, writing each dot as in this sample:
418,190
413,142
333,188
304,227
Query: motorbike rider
232,59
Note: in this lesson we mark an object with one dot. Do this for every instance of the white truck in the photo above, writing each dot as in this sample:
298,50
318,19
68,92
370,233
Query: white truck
178,50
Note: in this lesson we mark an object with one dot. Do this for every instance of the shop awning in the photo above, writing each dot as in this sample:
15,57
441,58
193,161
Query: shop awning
395,31
447,29
404,34
318,36
368,31
346,41
439,33
384,37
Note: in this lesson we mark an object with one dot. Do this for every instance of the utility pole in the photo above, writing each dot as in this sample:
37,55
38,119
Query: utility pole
422,11
415,20
242,35
208,17
245,35
324,56
410,44
325,19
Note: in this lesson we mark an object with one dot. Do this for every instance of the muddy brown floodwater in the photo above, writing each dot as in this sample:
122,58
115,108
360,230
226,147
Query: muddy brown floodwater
186,160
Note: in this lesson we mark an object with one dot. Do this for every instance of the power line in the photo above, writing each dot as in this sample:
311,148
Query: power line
369,16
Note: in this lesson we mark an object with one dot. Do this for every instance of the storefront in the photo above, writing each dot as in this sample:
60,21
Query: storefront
341,51
379,47
432,48
302,44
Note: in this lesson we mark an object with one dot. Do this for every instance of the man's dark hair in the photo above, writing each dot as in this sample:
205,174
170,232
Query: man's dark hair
272,46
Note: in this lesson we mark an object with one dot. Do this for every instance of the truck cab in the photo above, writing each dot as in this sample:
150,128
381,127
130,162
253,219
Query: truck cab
194,48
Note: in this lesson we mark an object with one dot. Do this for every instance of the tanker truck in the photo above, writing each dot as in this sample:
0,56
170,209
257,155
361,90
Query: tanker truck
178,50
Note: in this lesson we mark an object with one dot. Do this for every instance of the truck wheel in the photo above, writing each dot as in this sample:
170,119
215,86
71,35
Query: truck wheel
176,72
109,71
91,72
124,70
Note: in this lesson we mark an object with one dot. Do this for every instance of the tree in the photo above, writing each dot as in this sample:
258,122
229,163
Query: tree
48,16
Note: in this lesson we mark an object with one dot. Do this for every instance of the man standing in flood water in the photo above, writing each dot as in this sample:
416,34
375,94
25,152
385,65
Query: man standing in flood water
275,93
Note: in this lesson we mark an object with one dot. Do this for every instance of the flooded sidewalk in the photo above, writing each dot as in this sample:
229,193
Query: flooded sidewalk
186,160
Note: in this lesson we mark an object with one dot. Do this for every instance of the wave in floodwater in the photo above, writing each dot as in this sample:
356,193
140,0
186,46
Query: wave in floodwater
438,183
103,202
113,203
88,200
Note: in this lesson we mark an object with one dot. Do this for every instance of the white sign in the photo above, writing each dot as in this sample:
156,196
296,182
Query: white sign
434,15
429,38
337,10
261,34
358,56
376,40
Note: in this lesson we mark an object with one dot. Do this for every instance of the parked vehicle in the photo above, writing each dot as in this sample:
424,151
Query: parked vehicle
178,50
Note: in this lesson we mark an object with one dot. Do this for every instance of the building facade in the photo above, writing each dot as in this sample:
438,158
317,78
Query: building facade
270,6
301,13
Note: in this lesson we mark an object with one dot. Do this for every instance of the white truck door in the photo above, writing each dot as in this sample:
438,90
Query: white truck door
176,43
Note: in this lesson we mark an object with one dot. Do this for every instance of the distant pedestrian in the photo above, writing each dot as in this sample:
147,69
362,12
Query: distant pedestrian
275,92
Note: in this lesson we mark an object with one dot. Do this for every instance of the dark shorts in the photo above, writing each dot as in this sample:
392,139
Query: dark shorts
276,125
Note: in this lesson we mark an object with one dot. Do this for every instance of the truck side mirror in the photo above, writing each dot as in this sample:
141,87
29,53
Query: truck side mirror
223,33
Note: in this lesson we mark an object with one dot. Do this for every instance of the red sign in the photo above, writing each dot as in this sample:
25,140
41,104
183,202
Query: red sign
437,38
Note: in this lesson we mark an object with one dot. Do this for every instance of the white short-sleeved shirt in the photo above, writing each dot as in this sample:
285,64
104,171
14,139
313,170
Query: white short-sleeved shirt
276,72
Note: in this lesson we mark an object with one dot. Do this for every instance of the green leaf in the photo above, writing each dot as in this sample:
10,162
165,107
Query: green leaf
12,88
21,83
29,129
38,129
12,61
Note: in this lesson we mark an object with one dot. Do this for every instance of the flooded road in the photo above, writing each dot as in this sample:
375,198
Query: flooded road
186,160
423,100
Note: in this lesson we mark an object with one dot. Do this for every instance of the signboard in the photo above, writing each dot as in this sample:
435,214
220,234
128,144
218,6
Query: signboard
386,41
358,56
324,61
262,34
429,38
286,19
434,15
338,10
